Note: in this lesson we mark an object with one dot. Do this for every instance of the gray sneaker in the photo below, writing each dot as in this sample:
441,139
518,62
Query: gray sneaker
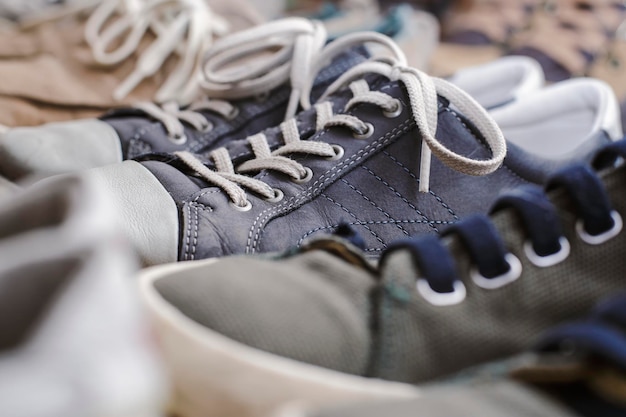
323,324
234,106
357,156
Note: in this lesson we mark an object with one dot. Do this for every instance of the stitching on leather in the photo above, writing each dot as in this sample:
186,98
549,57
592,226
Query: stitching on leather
412,175
329,175
369,200
187,233
344,208
397,193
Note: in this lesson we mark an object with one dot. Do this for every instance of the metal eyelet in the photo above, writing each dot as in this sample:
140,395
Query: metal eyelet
233,113
247,207
441,298
178,140
339,152
368,132
602,237
278,195
207,127
547,260
397,111
514,272
262,97
307,177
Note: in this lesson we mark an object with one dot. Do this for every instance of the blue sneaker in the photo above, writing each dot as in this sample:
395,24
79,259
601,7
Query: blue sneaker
357,156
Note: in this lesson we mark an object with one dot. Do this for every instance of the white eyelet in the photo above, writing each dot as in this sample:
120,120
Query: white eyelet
602,237
547,260
233,113
514,272
396,112
178,140
247,207
368,132
441,298
306,178
339,152
278,195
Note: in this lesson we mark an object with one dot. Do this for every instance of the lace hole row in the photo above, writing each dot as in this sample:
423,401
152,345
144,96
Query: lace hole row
515,265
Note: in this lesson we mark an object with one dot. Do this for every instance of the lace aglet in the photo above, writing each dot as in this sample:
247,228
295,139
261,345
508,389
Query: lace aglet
424,186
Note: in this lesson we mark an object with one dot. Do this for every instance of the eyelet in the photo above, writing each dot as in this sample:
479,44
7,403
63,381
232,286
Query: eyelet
178,140
306,178
262,97
233,113
247,207
602,237
339,152
368,132
547,260
514,272
278,195
207,127
441,298
396,112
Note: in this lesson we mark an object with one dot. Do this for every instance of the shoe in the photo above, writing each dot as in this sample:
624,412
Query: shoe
501,81
322,324
72,328
352,158
569,112
234,106
572,372
101,54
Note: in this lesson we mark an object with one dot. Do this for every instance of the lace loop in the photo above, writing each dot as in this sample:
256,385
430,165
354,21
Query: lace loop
297,41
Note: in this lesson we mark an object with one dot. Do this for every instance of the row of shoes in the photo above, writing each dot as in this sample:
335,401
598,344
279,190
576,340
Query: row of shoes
295,222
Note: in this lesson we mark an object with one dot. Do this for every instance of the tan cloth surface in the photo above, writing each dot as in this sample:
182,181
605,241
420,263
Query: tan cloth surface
47,71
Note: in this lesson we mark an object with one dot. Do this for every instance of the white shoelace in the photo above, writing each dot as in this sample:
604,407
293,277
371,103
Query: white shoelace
422,90
183,27
247,64
115,29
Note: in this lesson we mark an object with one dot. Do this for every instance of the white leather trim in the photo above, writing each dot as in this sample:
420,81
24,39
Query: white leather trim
500,81
57,148
147,212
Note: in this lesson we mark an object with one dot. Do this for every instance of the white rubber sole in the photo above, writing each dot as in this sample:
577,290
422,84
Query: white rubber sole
213,375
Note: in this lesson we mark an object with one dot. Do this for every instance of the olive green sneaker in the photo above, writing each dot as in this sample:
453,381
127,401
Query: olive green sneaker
321,323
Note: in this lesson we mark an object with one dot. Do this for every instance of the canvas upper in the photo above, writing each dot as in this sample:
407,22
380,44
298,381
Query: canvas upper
277,189
572,370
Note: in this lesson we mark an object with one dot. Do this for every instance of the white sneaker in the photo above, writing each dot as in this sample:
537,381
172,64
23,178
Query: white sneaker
73,341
